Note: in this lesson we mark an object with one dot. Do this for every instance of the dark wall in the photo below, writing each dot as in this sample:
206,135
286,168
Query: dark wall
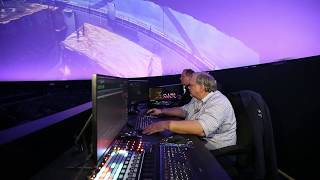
23,103
23,158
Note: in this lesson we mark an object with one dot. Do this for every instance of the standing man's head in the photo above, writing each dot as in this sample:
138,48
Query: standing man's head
201,84
186,76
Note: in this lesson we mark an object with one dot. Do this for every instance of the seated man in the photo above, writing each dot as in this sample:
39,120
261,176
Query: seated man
209,115
185,81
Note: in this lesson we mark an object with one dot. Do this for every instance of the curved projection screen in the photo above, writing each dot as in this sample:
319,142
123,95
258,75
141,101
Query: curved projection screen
69,40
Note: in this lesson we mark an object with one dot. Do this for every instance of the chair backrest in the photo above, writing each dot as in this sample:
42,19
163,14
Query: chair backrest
244,130
254,131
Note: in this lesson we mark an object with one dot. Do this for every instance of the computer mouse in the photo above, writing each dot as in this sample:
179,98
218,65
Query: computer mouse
177,139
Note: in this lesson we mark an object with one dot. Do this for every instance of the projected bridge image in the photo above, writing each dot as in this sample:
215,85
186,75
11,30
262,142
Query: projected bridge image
85,37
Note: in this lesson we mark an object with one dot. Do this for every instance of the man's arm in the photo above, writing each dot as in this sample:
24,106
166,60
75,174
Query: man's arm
181,127
186,127
175,111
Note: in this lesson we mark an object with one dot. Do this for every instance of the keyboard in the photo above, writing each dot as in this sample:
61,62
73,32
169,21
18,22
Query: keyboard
174,163
123,161
143,121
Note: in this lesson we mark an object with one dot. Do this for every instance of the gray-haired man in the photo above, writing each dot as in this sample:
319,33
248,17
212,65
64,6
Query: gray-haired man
209,114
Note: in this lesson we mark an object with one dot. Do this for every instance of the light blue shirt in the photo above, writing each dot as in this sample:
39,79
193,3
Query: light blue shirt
216,116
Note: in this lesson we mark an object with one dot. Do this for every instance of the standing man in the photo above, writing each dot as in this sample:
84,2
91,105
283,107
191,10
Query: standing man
209,115
185,81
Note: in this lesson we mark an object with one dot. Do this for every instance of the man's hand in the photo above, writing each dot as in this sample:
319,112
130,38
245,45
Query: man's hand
154,111
156,127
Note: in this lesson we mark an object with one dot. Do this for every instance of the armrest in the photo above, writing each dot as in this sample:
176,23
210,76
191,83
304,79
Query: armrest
230,150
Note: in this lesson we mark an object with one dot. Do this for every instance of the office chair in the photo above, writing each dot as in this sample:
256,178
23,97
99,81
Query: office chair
254,156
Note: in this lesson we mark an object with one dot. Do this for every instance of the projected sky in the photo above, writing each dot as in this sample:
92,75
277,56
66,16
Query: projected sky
136,38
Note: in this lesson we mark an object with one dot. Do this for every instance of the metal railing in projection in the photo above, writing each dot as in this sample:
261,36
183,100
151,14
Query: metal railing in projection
146,29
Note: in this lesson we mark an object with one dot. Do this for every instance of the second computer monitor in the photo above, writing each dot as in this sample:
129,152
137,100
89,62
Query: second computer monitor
138,91
166,95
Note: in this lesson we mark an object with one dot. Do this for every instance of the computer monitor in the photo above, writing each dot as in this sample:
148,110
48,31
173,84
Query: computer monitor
109,98
138,94
138,91
165,95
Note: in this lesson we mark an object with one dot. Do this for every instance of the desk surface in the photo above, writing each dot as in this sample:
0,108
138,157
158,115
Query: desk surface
73,165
